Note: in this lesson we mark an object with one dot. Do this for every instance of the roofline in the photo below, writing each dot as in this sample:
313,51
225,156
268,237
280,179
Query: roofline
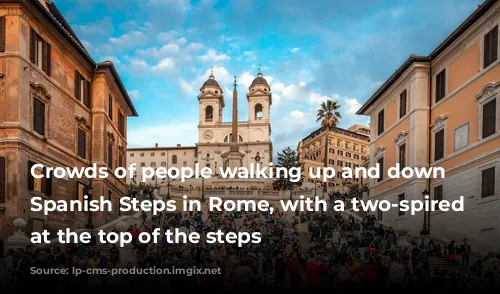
109,65
336,128
462,28
40,8
159,148
391,80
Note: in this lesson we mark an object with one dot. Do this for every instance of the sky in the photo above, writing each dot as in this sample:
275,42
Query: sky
308,51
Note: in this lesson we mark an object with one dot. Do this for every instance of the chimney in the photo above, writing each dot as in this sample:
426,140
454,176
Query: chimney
156,145
178,145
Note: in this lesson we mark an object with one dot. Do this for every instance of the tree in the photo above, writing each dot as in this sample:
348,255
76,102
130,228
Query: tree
329,116
357,190
288,159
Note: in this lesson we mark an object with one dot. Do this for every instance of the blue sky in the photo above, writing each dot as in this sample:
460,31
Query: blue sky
309,51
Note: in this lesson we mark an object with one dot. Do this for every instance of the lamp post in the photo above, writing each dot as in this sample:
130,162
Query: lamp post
425,229
90,190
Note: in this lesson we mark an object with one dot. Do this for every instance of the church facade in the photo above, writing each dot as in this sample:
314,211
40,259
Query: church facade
214,147
253,135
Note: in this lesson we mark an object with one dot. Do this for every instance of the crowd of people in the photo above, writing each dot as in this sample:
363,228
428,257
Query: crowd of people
333,252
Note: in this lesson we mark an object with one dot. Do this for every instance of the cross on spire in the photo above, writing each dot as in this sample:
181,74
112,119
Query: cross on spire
211,70
235,82
259,68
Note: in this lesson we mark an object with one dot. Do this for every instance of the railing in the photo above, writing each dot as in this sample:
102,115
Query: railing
272,195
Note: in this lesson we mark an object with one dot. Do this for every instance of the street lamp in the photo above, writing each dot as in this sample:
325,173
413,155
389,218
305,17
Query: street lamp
89,194
425,229
203,181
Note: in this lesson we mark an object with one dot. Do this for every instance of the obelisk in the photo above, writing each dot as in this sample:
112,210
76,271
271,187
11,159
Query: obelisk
235,157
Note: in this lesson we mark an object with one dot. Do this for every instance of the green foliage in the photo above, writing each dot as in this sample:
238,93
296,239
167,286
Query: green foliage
357,190
288,158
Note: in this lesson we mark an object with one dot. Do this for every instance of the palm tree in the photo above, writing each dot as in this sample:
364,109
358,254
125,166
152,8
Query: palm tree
329,116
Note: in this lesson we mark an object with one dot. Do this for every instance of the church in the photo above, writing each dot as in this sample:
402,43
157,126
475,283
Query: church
220,144
252,141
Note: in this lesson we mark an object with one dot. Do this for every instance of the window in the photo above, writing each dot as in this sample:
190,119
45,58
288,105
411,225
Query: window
110,155
110,195
163,154
380,122
440,85
184,163
82,89
339,163
356,156
80,192
489,118
143,164
331,150
152,154
2,33
42,185
2,177
110,107
439,145
380,163
401,197
131,154
331,161
488,182
490,47
40,52
39,116
153,164
438,193
120,159
209,113
163,163
340,152
121,123
348,154
402,104
402,156
184,153
174,159
347,164
82,143
258,111
141,155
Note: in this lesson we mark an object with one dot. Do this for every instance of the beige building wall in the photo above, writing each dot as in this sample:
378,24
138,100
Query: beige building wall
467,86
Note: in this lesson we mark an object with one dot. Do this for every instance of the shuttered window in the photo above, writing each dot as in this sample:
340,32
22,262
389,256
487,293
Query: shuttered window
39,116
380,122
402,104
121,123
2,179
42,185
438,193
440,85
110,155
120,159
82,143
110,107
402,156
380,162
2,33
488,182
40,52
489,118
439,145
83,90
490,47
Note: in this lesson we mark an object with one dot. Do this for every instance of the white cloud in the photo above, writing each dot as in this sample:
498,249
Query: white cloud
220,73
134,94
213,56
302,84
129,39
250,55
352,105
181,41
166,36
165,65
195,46
315,98
185,132
294,50
186,88
179,5
297,114
139,66
168,49
245,79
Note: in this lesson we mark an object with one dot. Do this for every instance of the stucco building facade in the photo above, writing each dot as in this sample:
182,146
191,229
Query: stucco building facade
58,107
443,110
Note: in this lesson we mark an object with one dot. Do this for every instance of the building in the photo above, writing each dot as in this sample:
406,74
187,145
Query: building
346,148
442,110
166,157
213,148
58,108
